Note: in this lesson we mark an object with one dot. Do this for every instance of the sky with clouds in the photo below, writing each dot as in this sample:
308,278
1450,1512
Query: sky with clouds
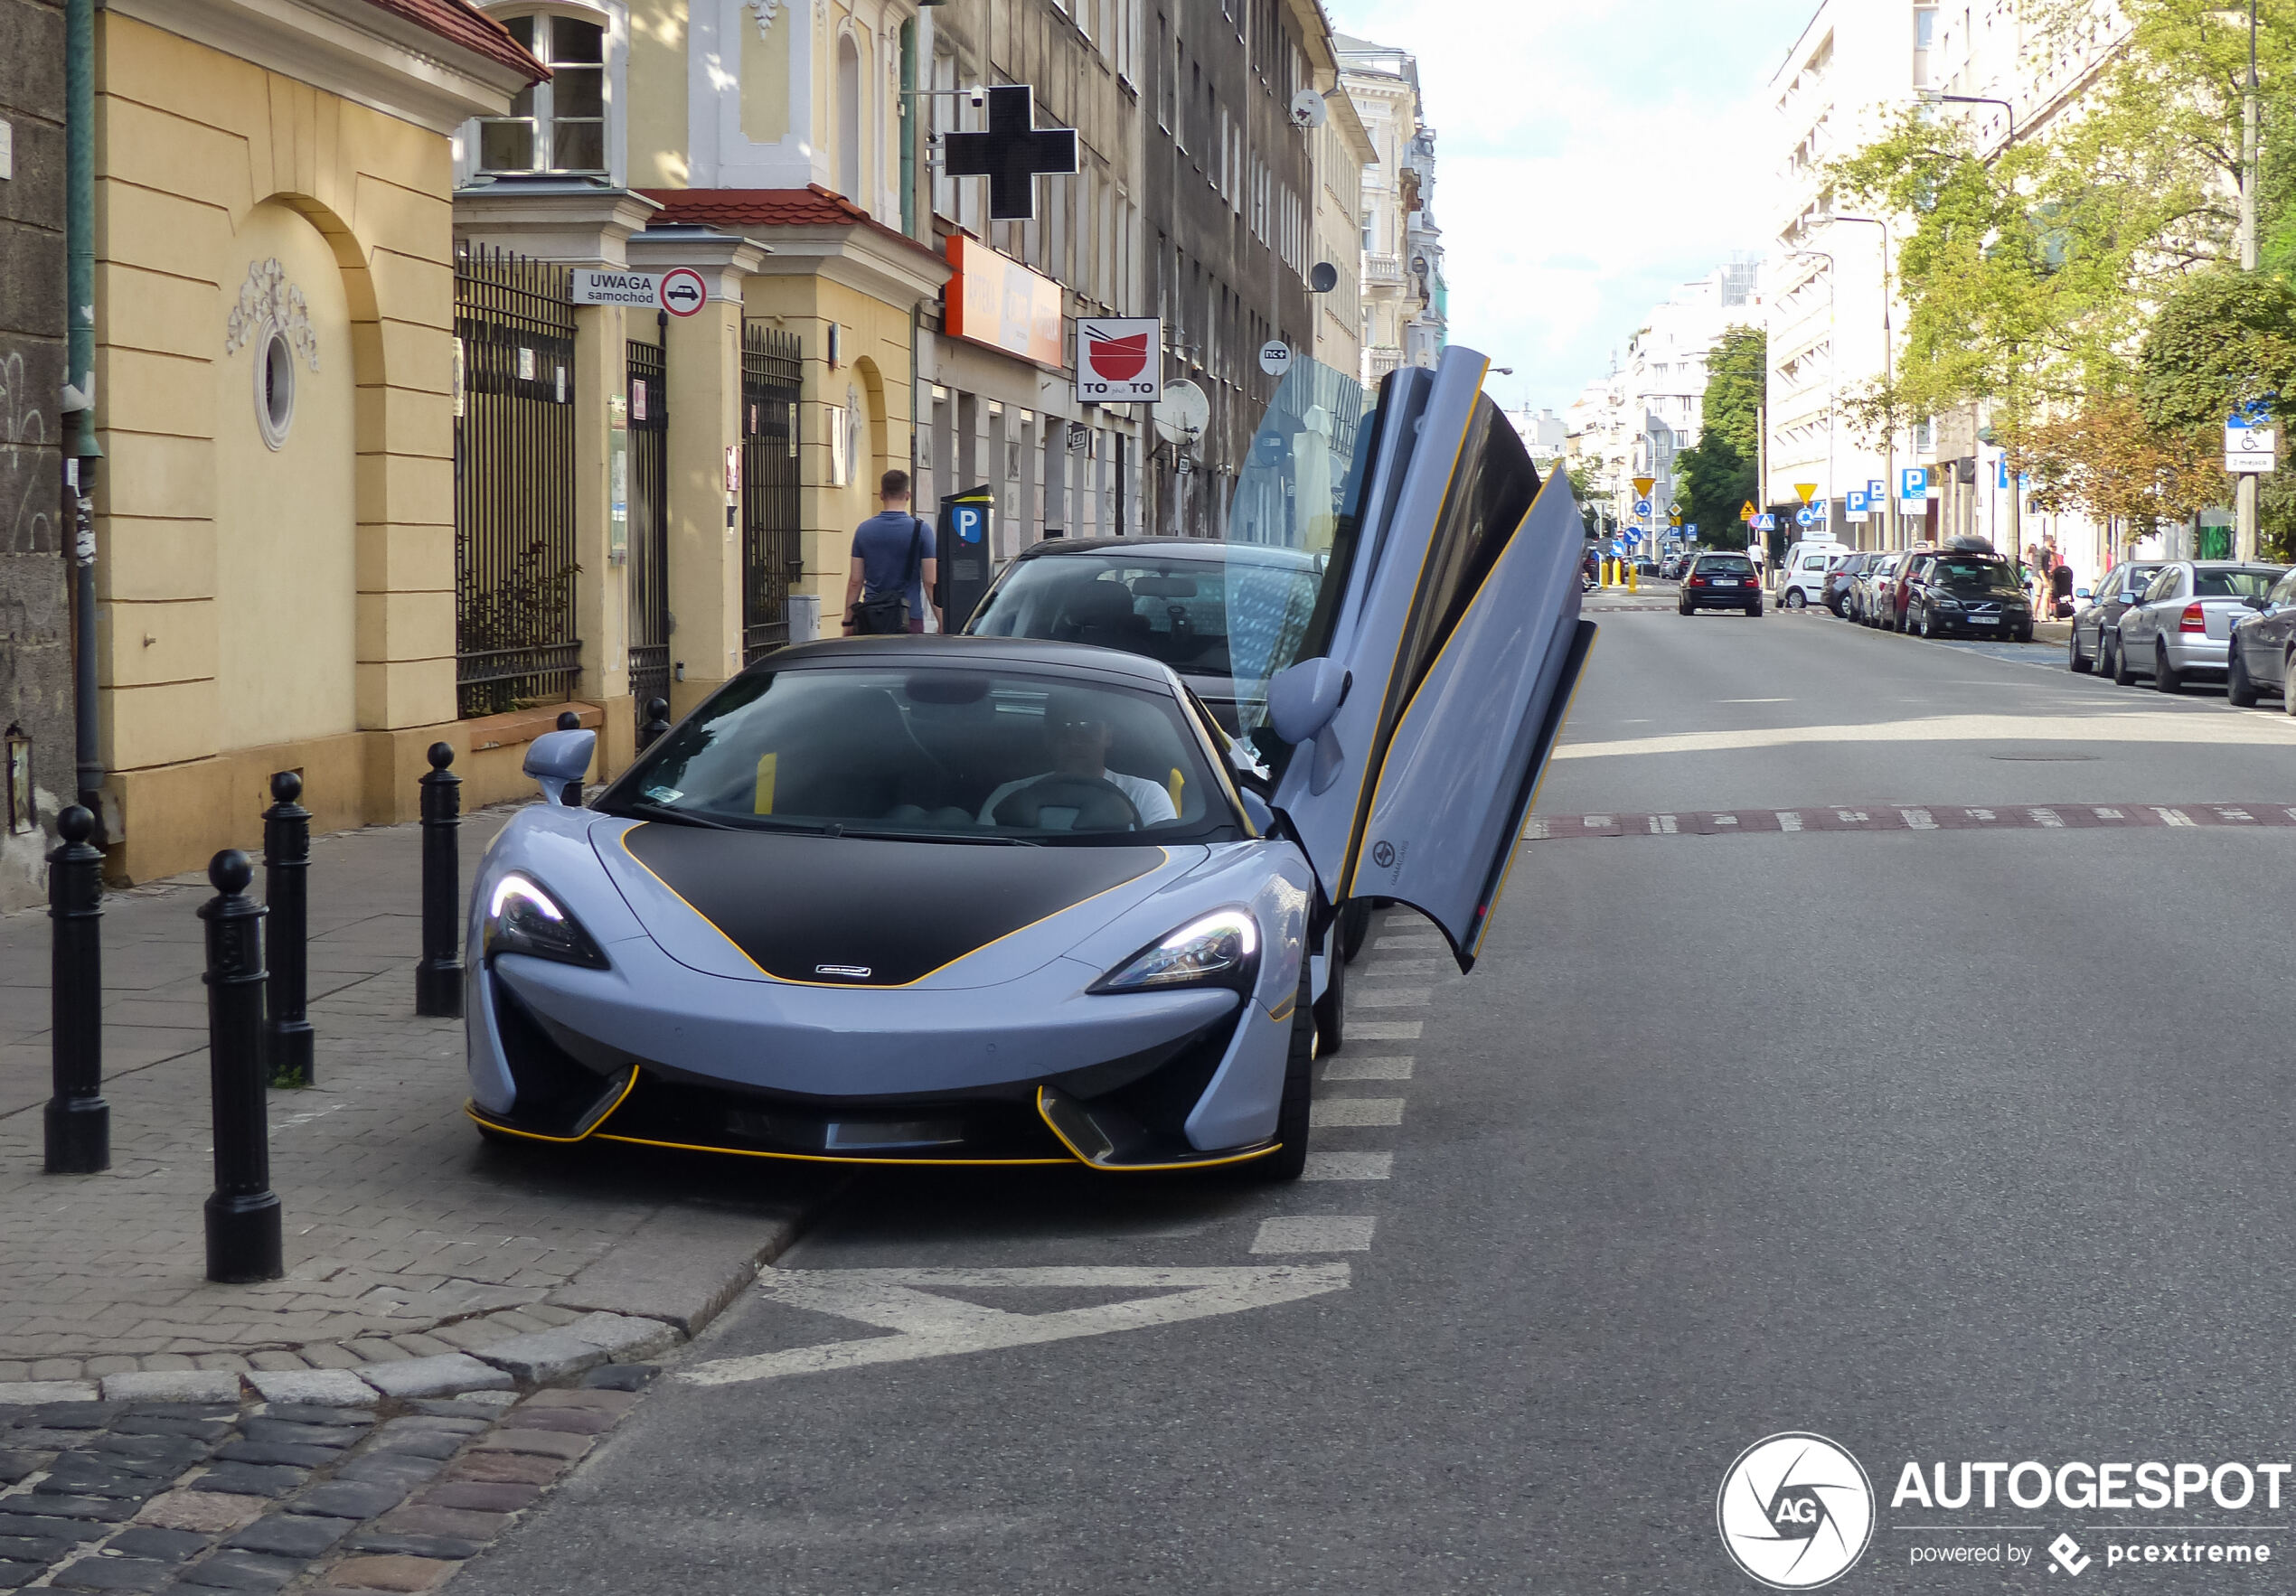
1591,155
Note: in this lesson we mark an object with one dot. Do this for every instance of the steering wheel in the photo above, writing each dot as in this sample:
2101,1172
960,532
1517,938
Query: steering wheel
1100,804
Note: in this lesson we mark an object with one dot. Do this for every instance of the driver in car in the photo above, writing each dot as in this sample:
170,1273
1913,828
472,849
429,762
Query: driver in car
1080,782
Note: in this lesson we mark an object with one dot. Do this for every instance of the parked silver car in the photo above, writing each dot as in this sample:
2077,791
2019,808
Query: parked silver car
2096,630
1866,606
2183,626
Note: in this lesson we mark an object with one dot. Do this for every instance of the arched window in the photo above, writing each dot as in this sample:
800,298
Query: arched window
849,121
559,125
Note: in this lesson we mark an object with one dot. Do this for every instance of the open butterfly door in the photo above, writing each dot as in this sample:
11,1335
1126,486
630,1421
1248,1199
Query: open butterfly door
1455,643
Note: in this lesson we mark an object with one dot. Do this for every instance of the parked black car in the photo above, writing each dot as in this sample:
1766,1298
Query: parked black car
2263,658
2096,630
1720,581
1967,592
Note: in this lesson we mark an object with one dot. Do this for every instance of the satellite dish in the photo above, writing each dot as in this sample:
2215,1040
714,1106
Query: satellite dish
1322,277
1183,413
1308,110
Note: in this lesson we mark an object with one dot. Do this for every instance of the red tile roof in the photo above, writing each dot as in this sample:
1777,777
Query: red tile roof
735,209
460,22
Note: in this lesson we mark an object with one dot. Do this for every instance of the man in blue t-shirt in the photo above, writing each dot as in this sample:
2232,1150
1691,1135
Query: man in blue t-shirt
883,547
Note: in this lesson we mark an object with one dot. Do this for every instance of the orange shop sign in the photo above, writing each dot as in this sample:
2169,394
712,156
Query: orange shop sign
1000,303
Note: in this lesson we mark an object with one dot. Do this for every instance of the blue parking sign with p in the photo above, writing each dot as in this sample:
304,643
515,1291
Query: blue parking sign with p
968,521
1912,482
1855,500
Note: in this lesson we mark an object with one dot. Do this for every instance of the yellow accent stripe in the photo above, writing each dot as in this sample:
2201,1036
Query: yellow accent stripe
629,1086
1240,1158
1280,1015
1514,848
856,986
1359,816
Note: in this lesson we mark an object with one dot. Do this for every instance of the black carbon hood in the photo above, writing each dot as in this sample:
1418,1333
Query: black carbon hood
827,909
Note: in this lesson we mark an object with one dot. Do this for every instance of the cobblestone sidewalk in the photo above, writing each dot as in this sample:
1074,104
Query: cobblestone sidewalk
406,1236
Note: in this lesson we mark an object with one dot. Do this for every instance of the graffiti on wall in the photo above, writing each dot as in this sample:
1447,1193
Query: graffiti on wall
27,481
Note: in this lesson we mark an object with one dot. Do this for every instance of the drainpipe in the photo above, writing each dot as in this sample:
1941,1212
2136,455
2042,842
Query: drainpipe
910,120
81,451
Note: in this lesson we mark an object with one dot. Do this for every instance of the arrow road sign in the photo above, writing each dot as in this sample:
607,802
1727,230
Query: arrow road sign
1012,154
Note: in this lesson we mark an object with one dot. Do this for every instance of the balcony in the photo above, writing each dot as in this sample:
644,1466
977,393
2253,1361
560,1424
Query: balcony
1382,269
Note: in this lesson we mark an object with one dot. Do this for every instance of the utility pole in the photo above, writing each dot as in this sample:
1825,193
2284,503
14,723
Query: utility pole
2244,504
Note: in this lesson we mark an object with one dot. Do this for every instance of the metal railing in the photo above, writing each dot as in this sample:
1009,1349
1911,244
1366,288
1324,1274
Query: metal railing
515,551
772,378
1382,269
649,524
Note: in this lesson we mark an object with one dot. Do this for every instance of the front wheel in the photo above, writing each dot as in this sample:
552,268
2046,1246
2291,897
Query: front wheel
2239,691
1355,925
2165,676
2075,660
2122,676
1290,1159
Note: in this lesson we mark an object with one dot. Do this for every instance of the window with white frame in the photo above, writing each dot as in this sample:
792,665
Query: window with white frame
558,125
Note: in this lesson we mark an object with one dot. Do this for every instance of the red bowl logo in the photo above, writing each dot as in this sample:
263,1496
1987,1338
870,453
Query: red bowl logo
1117,359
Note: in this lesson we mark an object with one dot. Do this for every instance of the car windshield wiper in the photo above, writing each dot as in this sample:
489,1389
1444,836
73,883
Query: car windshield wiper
687,817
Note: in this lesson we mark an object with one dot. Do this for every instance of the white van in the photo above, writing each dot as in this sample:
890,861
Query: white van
1801,579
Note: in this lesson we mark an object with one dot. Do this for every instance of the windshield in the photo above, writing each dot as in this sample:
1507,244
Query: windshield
1299,476
1724,565
1237,619
948,754
1973,570
2240,584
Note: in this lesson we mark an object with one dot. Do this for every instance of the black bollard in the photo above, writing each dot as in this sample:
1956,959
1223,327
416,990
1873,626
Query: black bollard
287,893
568,721
657,722
79,1119
438,979
243,1211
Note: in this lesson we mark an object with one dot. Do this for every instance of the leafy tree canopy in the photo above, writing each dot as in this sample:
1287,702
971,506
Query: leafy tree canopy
1716,476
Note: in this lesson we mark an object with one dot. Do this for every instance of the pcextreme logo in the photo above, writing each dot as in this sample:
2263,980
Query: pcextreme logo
1795,1511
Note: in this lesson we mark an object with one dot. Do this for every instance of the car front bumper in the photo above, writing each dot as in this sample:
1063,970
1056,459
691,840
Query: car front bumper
650,1051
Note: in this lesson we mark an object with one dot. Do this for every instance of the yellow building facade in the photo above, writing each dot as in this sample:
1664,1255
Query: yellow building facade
273,388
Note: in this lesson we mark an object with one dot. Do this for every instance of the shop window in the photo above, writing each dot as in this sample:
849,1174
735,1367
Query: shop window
559,125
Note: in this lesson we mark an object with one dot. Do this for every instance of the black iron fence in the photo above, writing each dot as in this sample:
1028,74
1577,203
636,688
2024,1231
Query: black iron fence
771,373
514,552
649,525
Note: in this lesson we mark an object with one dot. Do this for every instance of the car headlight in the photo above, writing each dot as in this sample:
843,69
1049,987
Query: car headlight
1216,950
522,918
1943,603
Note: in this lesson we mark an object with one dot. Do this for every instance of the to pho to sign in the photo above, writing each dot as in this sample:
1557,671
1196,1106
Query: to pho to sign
1120,360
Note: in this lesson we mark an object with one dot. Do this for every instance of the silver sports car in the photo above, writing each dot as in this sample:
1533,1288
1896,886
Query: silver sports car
1002,900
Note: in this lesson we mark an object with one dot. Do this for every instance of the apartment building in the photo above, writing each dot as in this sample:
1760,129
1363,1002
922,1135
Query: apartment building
1383,83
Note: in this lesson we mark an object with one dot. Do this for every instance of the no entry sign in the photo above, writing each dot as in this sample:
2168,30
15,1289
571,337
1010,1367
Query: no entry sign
1120,360
683,291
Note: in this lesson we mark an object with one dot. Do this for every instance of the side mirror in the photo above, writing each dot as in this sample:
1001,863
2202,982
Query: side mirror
2082,593
2259,605
559,760
1302,699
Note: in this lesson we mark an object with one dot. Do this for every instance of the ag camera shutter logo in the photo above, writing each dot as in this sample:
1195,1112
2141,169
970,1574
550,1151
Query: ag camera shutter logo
1795,1511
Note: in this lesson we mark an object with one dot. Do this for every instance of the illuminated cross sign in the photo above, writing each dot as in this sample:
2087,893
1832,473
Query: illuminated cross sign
1012,154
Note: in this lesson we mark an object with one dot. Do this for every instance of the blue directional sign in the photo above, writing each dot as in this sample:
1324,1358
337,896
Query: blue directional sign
1642,509
1805,517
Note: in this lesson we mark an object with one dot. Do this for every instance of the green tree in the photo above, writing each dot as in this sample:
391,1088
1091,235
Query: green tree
1582,488
1715,476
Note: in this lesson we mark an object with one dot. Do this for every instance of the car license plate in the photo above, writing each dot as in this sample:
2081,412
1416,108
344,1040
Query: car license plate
1726,581
1985,620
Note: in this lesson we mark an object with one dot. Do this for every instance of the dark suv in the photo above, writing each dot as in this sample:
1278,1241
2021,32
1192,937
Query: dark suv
1966,591
1721,581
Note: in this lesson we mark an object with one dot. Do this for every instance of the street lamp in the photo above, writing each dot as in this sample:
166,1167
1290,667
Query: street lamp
1833,361
1937,97
1888,371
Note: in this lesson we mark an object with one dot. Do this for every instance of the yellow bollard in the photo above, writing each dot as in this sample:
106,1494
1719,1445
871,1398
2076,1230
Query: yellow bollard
1631,585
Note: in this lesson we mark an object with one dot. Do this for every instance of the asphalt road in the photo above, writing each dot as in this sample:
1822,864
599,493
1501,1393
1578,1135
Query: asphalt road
1966,1142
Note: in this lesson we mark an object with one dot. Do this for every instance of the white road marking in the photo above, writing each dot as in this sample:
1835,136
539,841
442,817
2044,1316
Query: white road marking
1315,1232
1981,814
1753,700
1788,820
1725,820
1355,1111
1387,966
2175,817
1849,816
1425,939
1384,1030
2114,815
1663,825
1392,997
1535,830
2237,816
1349,1166
2047,817
932,1326
2198,725
1918,820
1595,823
1368,1069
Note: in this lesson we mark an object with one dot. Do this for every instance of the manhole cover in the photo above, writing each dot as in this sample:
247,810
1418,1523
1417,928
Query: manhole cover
2047,758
